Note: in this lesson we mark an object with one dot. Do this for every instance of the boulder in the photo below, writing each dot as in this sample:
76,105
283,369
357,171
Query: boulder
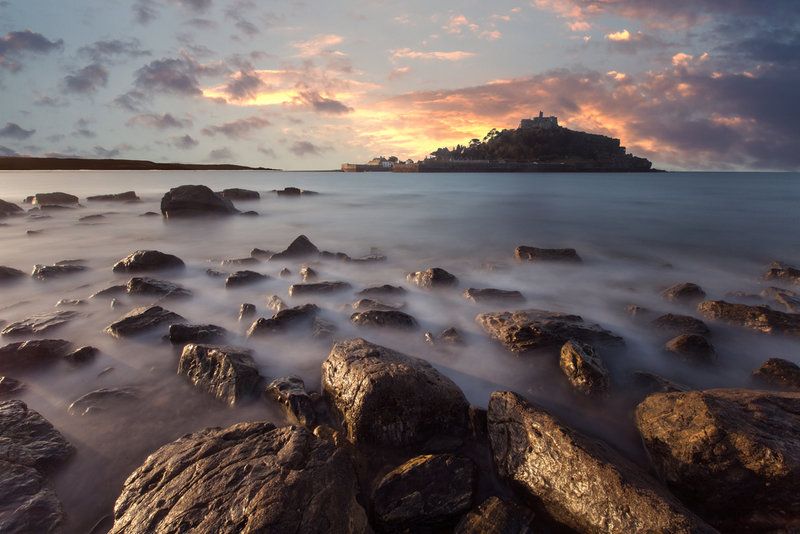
142,320
261,254
243,278
527,330
28,439
32,353
489,295
194,200
386,398
448,335
250,477
9,208
275,303
285,273
46,272
381,291
434,278
236,193
196,333
316,288
8,274
10,386
39,324
110,291
691,348
147,260
680,324
384,319
290,393
301,247
789,300
246,310
293,192
307,273
284,320
496,516
779,373
53,199
761,318
783,272
151,286
684,292
82,355
525,253
28,504
370,304
732,454
102,400
227,373
426,491
583,368
127,196
581,482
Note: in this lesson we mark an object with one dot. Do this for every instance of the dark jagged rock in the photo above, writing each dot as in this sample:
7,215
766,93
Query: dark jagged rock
82,355
103,400
261,254
236,193
29,503
28,439
227,373
196,333
384,290
434,278
526,330
142,320
652,383
40,324
732,454
384,319
293,192
535,254
290,392
243,278
284,320
301,247
147,260
9,208
51,199
584,368
250,260
425,491
313,288
307,273
386,398
110,291
684,292
10,386
450,335
783,272
581,482
32,353
761,318
46,272
275,303
8,274
779,373
194,200
152,286
692,348
496,516
127,196
285,273
680,324
489,295
790,300
251,477
246,310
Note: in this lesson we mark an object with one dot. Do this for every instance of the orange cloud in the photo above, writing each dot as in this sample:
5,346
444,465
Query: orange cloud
623,35
455,55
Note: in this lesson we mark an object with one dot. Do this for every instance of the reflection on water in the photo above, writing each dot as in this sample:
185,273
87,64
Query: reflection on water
636,233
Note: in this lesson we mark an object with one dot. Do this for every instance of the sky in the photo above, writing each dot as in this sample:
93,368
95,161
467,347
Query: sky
689,84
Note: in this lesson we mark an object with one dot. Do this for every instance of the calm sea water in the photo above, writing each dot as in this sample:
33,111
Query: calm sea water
636,233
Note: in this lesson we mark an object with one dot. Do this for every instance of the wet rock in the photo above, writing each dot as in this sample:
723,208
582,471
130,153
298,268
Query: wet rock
480,296
227,373
284,320
275,303
691,348
789,300
246,311
761,318
322,329
127,196
32,353
70,302
236,193
450,335
307,273
243,278
142,320
425,491
250,260
9,208
261,253
251,477
110,291
386,398
51,199
301,247
82,355
46,272
525,253
103,400
370,304
685,292
779,373
196,333
151,286
384,319
40,323
149,214
316,288
293,192
213,273
290,392
29,503
680,324
583,368
285,273
89,218
527,330
384,290
147,260
581,482
28,439
733,454
10,386
652,383
249,213
34,232
496,516
194,200
783,272
434,278
8,274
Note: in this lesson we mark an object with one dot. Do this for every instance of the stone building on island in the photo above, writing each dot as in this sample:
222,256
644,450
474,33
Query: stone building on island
541,122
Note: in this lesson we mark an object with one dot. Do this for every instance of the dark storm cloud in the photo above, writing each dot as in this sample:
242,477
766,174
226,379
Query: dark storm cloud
15,45
184,142
15,131
86,80
322,104
306,148
174,75
160,122
110,50
239,128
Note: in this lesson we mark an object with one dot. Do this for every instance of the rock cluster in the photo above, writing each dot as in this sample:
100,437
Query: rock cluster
195,200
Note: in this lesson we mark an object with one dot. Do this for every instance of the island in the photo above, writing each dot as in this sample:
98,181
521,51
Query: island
25,163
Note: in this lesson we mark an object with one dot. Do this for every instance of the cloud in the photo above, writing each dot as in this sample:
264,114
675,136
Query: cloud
306,148
86,80
317,45
184,142
15,131
174,75
107,153
399,72
323,105
623,35
244,86
109,50
144,11
239,128
15,45
7,152
267,152
159,122
221,154
133,100
455,55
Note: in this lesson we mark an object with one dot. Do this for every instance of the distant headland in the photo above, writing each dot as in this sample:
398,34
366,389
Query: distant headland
539,144
24,163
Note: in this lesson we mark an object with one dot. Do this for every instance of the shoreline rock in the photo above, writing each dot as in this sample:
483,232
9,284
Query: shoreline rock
535,254
228,373
433,278
141,320
761,318
194,201
147,260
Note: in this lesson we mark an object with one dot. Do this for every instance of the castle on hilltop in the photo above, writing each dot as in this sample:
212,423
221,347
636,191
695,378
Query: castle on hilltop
541,122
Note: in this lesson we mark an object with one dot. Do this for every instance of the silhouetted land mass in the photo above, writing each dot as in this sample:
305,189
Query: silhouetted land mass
22,163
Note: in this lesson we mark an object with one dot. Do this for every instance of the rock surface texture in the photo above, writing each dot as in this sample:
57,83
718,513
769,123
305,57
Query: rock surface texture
496,516
583,368
433,278
535,254
227,373
142,320
194,200
147,260
779,373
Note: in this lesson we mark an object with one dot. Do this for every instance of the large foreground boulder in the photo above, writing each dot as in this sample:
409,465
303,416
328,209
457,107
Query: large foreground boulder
527,330
227,373
733,454
386,398
146,261
194,200
251,477
761,318
582,483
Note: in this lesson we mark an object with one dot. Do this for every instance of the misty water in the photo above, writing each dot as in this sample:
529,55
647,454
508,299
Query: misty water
636,233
